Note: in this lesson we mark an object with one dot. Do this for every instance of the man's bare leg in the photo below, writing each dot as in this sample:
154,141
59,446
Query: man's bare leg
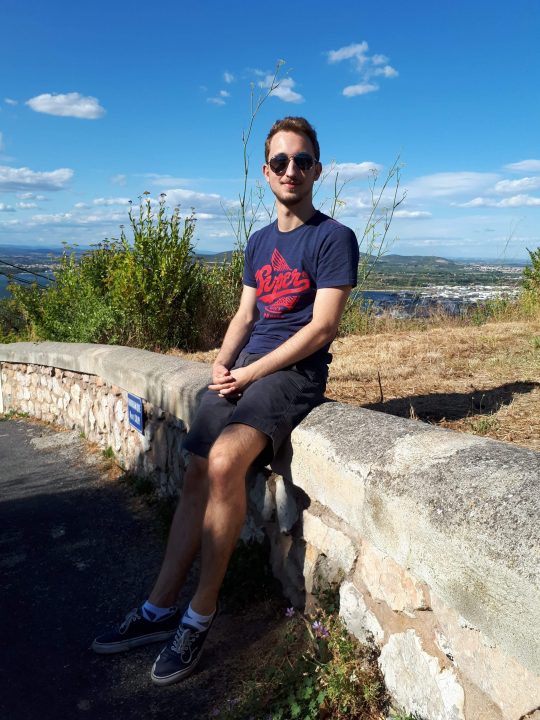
182,546
184,536
229,460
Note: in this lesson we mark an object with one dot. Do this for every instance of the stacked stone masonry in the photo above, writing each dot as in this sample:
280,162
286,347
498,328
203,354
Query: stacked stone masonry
431,536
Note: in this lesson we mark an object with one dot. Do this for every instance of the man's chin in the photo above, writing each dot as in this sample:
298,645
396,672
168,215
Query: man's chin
291,200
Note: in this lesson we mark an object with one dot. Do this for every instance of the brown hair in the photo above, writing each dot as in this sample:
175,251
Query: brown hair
293,124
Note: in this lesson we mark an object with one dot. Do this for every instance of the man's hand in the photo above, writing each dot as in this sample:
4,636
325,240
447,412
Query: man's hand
233,383
220,374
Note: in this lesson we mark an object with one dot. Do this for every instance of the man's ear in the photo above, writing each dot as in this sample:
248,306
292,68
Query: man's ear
266,172
318,170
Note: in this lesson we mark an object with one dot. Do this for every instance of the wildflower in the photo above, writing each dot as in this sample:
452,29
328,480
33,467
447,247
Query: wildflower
319,629
289,612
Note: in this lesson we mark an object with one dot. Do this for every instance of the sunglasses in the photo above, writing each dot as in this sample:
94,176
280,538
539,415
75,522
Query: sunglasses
279,163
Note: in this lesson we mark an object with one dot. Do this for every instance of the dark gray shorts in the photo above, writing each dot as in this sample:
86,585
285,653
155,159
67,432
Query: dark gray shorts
275,405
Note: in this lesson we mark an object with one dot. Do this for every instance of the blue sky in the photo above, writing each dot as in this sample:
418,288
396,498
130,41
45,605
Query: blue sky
102,101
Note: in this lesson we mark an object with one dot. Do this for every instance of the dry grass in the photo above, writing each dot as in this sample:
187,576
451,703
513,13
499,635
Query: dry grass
479,379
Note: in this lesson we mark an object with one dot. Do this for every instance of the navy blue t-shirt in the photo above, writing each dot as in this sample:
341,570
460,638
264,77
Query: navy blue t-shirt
287,268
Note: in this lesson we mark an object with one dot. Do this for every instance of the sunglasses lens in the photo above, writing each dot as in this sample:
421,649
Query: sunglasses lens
303,161
280,163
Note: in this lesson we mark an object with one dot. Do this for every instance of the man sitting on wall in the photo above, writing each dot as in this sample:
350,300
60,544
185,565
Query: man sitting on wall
270,372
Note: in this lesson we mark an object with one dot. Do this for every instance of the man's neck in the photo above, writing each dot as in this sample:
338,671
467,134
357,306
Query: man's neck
292,218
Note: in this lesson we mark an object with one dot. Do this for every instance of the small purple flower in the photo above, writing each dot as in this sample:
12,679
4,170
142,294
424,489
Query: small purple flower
319,629
289,612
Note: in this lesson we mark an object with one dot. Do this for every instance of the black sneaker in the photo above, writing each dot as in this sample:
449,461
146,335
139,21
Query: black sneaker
180,657
136,631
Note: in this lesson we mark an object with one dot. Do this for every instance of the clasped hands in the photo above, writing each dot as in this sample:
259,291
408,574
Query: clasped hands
230,383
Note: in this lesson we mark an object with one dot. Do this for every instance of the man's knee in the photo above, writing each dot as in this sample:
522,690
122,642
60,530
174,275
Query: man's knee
221,464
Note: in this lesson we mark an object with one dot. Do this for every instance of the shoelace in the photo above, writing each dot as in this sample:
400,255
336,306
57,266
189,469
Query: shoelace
183,640
130,617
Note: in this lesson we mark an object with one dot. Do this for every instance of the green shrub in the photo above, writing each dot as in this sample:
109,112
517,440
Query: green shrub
146,292
12,321
72,309
221,290
531,284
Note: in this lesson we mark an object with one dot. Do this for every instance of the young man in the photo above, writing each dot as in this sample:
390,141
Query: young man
270,372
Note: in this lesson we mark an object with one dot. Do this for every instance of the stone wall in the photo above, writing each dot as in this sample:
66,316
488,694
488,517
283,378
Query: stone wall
433,536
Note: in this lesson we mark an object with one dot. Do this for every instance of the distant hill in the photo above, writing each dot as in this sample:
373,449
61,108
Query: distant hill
421,261
215,257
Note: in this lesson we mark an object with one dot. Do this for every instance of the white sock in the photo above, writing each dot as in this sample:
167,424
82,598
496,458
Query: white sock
153,613
196,620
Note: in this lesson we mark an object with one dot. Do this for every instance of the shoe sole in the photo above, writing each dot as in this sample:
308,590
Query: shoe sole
174,677
111,648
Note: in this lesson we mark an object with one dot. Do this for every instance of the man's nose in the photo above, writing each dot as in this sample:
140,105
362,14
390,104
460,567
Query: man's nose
292,168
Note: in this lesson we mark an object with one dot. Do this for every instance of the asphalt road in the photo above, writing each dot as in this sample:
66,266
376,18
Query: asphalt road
77,550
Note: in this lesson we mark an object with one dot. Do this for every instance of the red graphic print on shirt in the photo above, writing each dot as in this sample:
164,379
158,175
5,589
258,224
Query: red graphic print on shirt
279,287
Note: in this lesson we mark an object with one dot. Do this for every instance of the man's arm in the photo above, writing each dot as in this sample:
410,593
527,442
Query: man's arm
327,310
236,336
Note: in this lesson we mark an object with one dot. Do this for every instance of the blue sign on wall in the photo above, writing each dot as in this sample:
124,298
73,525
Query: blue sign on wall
135,412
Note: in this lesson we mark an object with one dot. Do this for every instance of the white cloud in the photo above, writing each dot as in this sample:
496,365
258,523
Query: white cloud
284,91
228,77
412,214
361,89
387,71
220,234
224,93
166,181
26,205
367,67
450,183
67,105
355,202
119,180
76,220
353,171
111,201
511,202
10,101
6,208
524,166
30,196
215,101
12,179
209,202
356,50
51,218
527,183
80,205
